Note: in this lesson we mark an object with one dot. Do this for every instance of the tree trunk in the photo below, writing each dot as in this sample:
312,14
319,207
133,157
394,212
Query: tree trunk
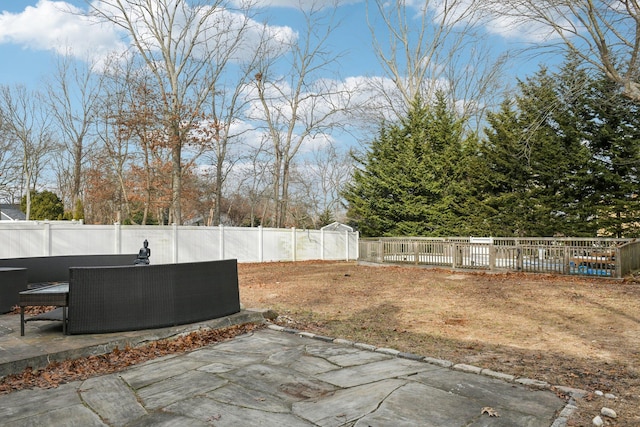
176,181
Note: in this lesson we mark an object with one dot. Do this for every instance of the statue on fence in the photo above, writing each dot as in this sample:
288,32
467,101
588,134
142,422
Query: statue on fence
143,255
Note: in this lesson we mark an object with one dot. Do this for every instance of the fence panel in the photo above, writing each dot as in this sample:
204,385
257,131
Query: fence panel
371,250
508,257
434,253
277,244
340,245
66,240
21,240
239,243
196,244
543,259
471,255
595,260
629,258
399,251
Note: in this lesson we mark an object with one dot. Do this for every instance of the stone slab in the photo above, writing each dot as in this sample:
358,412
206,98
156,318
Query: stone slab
69,416
173,389
418,404
112,400
279,381
374,371
346,405
492,392
229,415
159,370
27,403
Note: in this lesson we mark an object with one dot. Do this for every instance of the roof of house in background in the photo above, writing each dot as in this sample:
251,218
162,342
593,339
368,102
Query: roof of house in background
11,213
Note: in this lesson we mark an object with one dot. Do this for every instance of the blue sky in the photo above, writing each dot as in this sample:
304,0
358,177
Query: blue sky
31,30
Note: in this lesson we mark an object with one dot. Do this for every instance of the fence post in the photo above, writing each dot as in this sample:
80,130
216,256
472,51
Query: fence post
117,229
492,256
293,243
454,254
221,240
380,250
322,244
346,240
618,263
260,246
46,241
174,235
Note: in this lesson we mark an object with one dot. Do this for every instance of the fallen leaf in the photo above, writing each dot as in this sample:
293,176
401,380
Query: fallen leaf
490,411
60,372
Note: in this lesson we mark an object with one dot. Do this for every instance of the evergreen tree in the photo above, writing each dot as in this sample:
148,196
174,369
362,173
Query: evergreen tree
325,218
612,132
411,181
44,205
575,187
505,174
78,211
536,161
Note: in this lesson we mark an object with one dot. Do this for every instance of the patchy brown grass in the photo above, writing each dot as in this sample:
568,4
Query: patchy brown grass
572,331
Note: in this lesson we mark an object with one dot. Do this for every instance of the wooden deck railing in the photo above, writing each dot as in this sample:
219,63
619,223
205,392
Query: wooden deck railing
605,257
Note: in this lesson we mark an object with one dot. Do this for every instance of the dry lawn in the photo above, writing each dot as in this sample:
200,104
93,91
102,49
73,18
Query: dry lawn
570,331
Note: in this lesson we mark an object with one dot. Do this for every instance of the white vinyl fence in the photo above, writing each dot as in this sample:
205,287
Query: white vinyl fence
172,244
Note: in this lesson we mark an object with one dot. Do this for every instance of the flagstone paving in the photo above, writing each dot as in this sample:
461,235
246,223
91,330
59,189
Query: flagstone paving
279,377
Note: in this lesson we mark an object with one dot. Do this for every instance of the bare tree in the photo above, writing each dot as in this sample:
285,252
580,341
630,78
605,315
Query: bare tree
10,176
430,46
222,131
72,96
115,152
327,170
604,33
254,182
27,124
137,122
300,105
185,45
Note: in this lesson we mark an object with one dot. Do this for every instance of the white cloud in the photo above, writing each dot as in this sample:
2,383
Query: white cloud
59,27
304,4
518,29
517,22
500,19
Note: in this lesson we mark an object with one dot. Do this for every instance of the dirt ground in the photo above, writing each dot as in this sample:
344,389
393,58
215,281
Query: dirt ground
571,331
